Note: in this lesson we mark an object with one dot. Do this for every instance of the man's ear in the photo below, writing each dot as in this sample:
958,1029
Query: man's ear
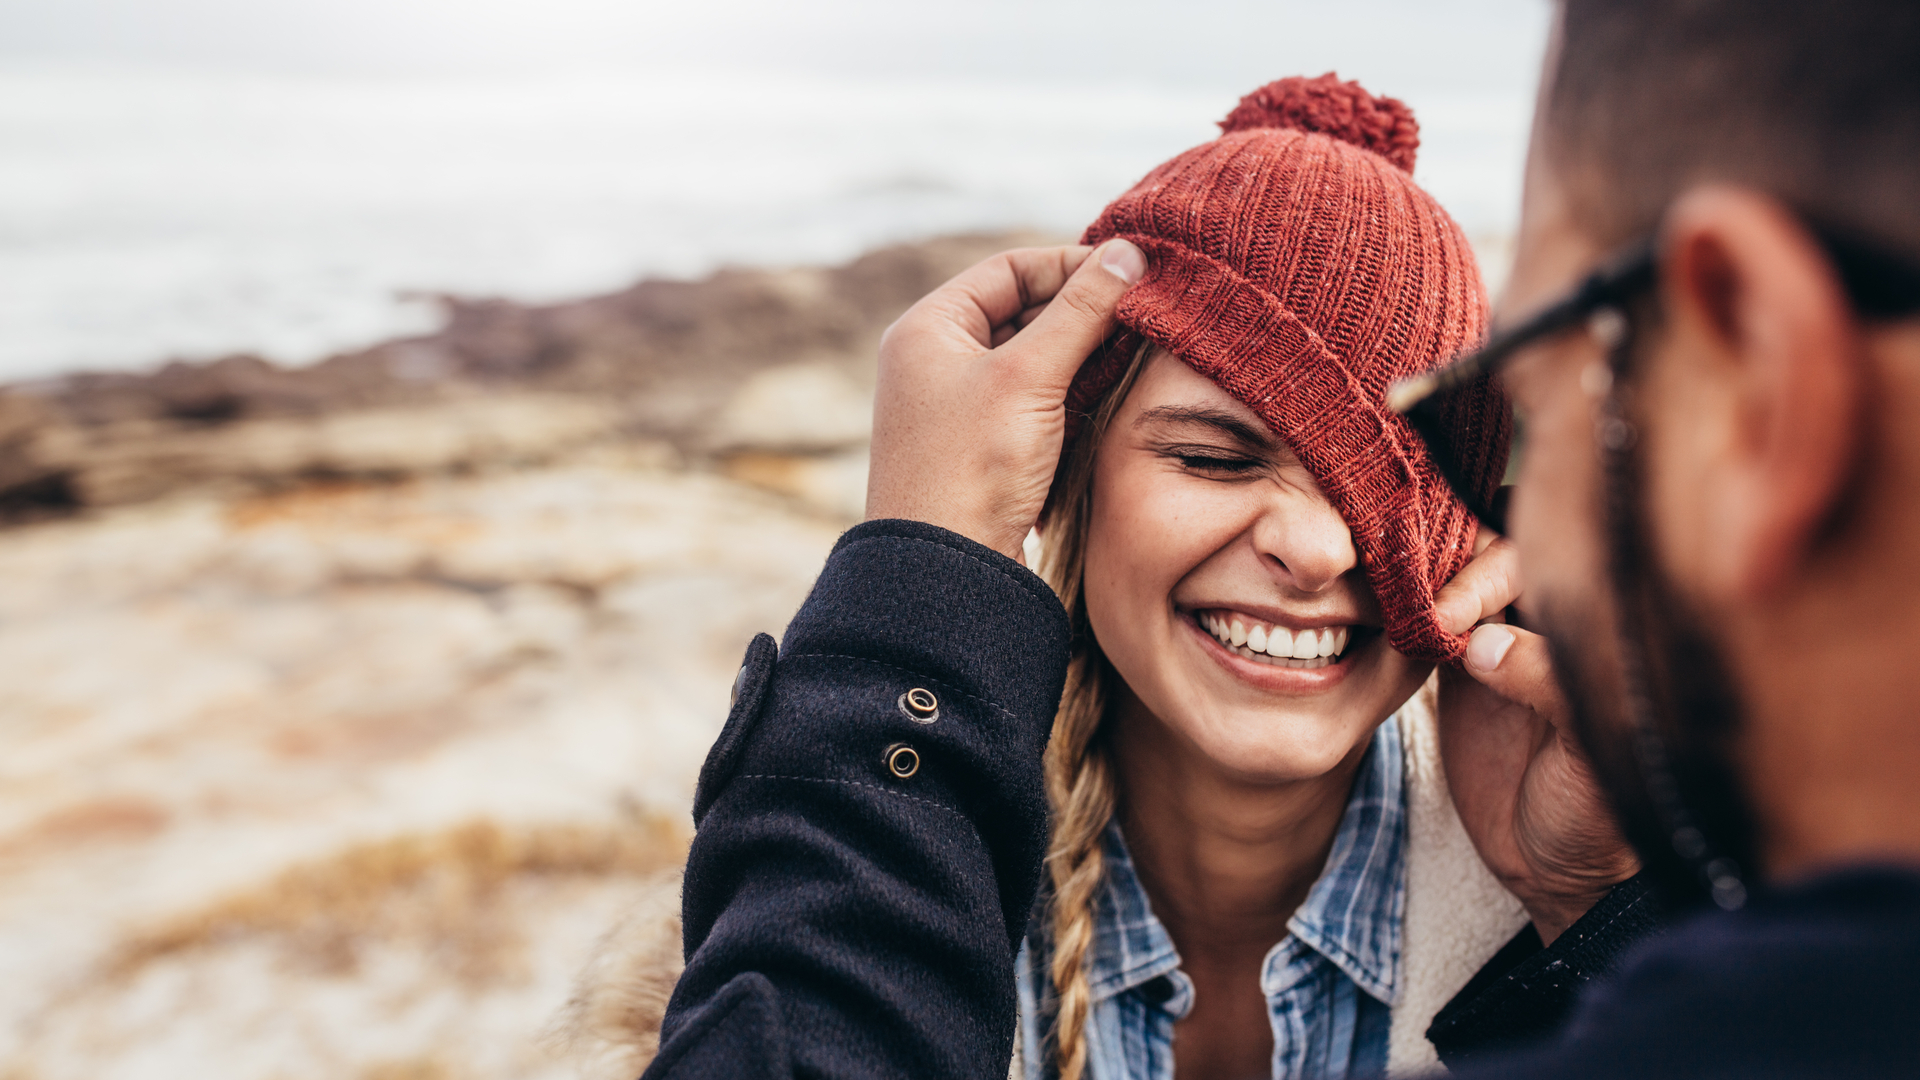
1755,445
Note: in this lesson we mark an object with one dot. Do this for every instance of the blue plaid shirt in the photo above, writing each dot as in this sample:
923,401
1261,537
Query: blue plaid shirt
1328,983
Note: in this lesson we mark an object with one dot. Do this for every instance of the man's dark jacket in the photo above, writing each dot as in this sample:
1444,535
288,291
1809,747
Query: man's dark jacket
862,874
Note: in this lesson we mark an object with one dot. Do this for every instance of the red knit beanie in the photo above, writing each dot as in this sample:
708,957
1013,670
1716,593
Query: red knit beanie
1294,262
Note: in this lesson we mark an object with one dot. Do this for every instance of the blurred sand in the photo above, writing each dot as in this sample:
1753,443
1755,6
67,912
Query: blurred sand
351,716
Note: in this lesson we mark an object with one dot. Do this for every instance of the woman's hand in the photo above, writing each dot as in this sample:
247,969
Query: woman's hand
971,408
1517,774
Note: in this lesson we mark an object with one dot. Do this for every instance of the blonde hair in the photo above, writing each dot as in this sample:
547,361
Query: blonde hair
1079,764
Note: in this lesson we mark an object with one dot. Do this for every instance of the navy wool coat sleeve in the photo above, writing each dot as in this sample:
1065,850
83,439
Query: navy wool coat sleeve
864,864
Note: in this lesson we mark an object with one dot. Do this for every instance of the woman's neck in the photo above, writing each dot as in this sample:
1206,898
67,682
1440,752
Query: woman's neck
1225,862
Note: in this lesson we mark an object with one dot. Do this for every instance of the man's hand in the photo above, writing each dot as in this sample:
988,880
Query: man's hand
1517,774
971,412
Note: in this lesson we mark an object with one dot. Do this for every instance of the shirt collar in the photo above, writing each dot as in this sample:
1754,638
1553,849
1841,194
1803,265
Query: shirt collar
1351,915
1130,946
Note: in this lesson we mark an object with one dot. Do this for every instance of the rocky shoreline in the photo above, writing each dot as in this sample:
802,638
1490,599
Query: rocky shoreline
501,383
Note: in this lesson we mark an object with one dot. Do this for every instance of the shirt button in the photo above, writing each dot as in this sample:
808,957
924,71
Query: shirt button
919,706
902,761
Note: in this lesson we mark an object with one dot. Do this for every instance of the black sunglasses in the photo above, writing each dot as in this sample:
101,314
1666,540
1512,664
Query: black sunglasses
1879,283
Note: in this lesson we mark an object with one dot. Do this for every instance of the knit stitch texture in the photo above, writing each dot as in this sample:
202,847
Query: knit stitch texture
1295,262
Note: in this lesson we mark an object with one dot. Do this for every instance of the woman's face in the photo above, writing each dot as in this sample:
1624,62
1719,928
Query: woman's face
1225,588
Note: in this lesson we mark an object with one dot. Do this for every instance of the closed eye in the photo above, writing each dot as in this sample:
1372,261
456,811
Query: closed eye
1216,464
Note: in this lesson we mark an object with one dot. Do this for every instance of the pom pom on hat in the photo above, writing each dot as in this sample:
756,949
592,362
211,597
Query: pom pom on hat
1342,110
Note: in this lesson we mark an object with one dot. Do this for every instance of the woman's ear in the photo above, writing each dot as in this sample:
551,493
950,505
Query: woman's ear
1752,401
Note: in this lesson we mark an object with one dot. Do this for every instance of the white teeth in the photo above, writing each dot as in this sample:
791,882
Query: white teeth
1282,661
1277,644
1306,645
1280,642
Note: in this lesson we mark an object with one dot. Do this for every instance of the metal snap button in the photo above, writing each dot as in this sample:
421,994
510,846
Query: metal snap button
920,706
739,683
902,760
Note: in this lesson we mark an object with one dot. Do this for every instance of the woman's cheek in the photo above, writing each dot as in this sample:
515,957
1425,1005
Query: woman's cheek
1120,552
1188,517
1139,546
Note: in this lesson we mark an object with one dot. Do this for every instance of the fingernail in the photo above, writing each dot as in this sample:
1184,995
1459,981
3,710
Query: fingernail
1124,261
1488,647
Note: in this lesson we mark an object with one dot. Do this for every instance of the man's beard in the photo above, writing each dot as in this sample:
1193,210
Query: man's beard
1684,775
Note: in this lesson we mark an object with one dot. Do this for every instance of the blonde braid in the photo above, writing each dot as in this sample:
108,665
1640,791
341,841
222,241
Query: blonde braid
1080,777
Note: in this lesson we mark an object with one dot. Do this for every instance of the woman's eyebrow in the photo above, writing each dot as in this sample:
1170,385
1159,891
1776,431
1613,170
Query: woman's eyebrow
1207,416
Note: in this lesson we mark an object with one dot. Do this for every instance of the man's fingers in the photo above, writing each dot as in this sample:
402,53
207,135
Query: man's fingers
995,290
1080,316
1487,586
1517,665
1005,331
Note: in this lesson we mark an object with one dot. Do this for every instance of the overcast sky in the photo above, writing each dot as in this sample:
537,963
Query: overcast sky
1467,46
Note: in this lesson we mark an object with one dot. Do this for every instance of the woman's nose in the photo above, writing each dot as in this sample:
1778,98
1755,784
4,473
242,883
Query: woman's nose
1306,542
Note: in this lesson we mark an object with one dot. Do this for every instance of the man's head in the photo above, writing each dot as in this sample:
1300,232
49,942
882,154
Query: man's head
1742,553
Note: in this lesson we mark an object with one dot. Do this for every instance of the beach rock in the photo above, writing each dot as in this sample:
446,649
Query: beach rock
796,409
113,464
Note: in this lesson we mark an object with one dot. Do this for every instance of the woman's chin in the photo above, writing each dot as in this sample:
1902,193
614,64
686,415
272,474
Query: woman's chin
1280,748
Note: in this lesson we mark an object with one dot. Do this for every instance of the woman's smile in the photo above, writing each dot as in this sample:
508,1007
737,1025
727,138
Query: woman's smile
1229,638
1298,647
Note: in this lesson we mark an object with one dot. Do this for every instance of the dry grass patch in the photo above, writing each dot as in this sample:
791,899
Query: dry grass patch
445,892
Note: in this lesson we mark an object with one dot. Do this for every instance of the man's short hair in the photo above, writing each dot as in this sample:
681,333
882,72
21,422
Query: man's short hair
1817,103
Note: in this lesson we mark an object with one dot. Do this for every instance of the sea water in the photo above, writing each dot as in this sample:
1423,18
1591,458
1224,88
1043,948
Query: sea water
157,207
